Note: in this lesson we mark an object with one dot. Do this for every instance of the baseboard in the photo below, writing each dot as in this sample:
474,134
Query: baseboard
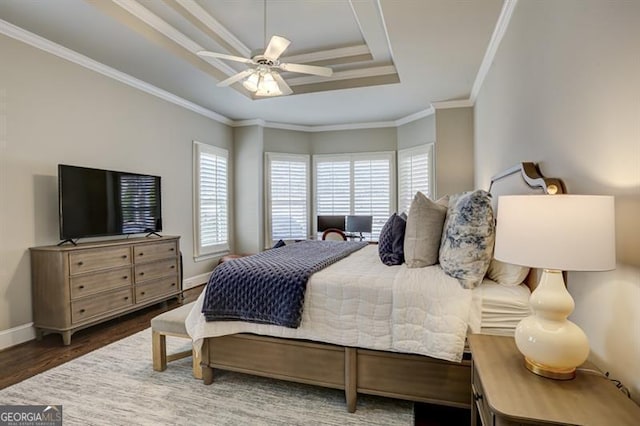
16,335
195,281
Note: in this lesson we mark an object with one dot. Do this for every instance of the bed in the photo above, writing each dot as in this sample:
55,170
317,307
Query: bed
358,331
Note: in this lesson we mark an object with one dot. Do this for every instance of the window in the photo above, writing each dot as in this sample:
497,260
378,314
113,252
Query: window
415,173
211,200
287,191
356,184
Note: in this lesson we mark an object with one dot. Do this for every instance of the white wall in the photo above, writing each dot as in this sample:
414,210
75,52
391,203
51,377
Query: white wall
564,91
53,111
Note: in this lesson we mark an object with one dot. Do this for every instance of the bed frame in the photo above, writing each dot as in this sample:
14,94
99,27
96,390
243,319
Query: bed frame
356,370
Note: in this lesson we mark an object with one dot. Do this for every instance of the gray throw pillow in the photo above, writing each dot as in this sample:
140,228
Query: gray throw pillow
468,237
424,229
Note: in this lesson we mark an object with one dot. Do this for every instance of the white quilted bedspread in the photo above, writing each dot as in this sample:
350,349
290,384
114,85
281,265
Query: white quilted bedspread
361,302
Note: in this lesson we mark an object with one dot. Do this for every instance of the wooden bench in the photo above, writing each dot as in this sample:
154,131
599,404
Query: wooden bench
171,323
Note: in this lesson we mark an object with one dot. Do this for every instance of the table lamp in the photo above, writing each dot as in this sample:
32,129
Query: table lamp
555,233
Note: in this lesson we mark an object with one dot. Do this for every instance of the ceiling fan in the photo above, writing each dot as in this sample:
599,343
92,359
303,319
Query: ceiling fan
263,77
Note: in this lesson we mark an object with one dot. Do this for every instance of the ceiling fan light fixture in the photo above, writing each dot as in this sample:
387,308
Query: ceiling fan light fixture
251,83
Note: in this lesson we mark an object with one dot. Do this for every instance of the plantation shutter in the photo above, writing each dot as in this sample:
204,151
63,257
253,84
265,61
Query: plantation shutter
372,191
287,196
333,187
415,173
212,201
355,184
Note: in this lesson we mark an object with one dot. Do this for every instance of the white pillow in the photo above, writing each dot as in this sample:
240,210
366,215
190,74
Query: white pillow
506,273
424,230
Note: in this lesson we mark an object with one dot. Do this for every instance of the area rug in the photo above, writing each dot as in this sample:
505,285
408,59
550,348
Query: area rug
116,385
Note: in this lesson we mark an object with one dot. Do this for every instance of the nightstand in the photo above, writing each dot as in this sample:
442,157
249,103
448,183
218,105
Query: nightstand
505,393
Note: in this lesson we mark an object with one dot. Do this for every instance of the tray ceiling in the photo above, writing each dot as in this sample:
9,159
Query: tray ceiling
390,58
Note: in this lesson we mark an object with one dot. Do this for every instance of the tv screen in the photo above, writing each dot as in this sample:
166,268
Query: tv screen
95,202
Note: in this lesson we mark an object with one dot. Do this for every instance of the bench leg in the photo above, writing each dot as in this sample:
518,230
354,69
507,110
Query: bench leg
197,368
159,350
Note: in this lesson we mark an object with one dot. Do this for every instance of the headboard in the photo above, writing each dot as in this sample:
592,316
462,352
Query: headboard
523,179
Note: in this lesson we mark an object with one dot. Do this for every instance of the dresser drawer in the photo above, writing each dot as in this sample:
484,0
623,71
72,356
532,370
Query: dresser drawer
480,400
151,271
152,289
86,284
155,251
96,259
88,308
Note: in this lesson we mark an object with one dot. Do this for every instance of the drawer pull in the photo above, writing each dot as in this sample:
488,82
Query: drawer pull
142,293
141,254
171,249
124,256
81,287
173,284
173,266
82,311
477,396
141,273
80,263
126,298
125,277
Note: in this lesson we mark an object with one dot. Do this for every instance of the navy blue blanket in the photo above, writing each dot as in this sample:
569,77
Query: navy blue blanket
269,287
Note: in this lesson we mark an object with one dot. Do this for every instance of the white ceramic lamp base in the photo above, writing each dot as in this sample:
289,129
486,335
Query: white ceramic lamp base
552,345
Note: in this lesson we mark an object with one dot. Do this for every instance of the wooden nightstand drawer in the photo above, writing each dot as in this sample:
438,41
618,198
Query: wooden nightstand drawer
82,285
85,309
153,289
507,394
151,271
150,252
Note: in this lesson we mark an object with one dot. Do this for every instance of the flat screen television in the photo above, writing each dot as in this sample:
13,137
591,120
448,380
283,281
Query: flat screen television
96,203
330,222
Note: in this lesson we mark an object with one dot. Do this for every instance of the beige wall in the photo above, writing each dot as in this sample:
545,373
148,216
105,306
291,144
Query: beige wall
360,140
249,189
53,111
288,141
564,91
417,132
454,150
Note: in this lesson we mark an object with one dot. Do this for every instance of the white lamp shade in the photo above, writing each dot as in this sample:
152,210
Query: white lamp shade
562,232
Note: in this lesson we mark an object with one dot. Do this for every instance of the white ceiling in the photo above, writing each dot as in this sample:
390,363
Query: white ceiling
391,58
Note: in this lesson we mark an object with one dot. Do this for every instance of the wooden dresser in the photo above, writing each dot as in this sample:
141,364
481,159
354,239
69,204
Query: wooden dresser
74,287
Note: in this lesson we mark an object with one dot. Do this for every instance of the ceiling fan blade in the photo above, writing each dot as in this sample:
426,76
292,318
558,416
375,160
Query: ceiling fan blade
277,46
284,87
307,69
224,56
236,77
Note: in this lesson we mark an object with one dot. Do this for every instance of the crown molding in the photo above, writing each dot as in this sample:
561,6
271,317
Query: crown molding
498,33
42,43
216,28
459,103
415,116
328,56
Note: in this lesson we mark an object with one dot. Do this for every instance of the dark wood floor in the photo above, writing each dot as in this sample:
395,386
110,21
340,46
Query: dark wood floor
28,359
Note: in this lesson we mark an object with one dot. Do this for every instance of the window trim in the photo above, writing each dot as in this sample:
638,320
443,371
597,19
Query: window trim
429,149
268,158
351,157
199,252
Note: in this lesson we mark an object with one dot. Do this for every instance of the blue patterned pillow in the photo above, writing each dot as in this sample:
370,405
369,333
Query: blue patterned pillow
391,241
467,238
